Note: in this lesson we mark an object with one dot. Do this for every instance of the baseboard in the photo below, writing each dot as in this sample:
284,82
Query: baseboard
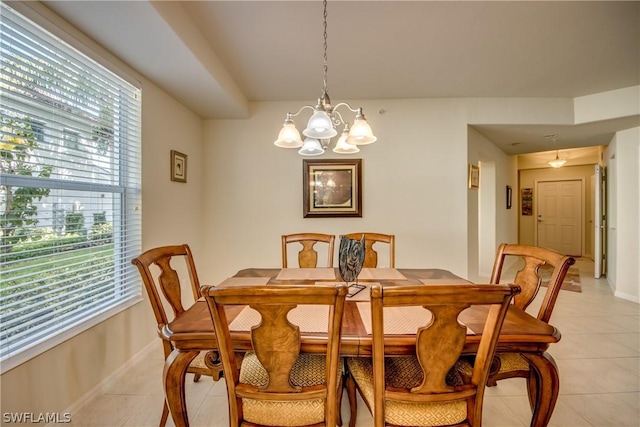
109,381
626,296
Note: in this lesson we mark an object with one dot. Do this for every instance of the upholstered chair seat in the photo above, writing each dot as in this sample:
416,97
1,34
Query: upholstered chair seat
276,383
405,373
436,386
309,370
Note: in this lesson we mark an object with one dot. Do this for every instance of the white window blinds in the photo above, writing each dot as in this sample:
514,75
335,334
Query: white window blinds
69,190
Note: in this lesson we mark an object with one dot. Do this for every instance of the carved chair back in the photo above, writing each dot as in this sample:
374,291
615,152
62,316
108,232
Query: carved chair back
158,269
439,345
308,256
530,277
371,256
281,374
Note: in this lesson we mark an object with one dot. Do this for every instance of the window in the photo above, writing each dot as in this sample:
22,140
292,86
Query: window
69,191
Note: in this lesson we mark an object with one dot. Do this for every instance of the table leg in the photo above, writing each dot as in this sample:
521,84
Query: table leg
175,368
543,387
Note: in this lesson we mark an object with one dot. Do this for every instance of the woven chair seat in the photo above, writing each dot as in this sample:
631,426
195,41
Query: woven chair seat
309,370
405,372
198,362
510,362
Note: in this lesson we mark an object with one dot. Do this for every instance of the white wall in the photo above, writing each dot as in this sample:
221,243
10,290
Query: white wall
490,222
622,159
415,183
414,186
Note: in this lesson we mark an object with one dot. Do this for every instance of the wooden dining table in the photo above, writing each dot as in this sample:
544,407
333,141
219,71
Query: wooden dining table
192,332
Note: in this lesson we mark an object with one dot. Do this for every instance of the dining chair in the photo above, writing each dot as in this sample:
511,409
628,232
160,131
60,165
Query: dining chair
308,257
277,384
533,260
434,386
157,268
371,256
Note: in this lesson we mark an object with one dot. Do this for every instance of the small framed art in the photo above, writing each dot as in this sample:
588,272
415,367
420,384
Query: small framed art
474,176
178,166
332,188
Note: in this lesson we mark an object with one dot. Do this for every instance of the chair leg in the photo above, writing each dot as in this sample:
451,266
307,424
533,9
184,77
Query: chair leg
165,414
353,403
339,403
196,378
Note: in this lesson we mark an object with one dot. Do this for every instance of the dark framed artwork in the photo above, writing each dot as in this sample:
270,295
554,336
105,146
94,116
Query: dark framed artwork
509,193
474,176
332,188
178,166
527,201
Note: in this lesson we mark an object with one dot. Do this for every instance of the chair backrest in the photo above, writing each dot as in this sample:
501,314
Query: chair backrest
164,285
371,256
308,257
439,343
529,278
276,342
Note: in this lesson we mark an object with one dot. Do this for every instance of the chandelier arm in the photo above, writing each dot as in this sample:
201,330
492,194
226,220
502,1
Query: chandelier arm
336,118
353,110
300,111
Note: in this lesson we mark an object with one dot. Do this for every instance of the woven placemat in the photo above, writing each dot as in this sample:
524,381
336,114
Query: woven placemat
244,281
380,274
310,318
398,320
444,281
306,274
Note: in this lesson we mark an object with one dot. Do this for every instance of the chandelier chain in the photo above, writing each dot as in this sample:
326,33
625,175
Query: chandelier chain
325,121
326,67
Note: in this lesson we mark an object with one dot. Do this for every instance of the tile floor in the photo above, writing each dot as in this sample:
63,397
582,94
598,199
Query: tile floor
598,358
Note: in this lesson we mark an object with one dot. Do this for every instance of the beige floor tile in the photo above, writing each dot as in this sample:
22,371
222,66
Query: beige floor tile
508,387
608,376
563,415
496,412
604,410
108,410
631,364
632,399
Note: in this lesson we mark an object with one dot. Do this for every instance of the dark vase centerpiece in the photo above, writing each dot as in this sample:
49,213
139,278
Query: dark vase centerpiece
350,260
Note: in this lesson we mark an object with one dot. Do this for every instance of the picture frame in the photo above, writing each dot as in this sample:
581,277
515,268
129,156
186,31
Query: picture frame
526,201
474,176
509,196
332,188
178,166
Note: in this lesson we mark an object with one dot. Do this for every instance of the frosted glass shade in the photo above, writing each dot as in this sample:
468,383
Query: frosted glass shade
289,137
343,146
320,126
361,133
311,147
557,163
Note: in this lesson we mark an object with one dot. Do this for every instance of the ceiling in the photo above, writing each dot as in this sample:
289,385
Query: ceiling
217,56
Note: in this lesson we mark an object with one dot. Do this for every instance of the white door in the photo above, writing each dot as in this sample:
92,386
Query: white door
559,211
598,222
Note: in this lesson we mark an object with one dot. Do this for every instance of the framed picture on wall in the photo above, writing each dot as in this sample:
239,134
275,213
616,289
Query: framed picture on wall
332,188
474,176
526,201
178,166
509,192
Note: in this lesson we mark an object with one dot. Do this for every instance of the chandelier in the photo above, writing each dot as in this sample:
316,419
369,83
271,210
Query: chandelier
325,122
557,162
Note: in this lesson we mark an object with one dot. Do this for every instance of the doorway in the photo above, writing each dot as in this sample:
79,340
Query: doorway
559,216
